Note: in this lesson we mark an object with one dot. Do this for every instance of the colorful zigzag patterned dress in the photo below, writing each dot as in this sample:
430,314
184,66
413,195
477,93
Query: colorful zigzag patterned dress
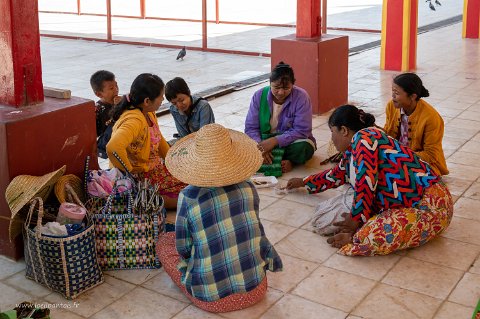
391,180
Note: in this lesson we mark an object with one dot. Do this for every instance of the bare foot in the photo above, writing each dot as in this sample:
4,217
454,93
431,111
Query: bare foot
287,166
340,240
348,225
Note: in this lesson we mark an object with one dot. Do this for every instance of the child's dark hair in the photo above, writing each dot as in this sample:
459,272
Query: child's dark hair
411,84
98,78
351,117
283,73
176,86
146,85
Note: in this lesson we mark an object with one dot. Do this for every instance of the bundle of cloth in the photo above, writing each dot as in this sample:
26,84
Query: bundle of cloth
102,183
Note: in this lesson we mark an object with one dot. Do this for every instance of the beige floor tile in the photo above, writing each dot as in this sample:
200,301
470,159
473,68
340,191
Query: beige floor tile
369,267
464,158
473,191
287,213
387,302
22,283
10,297
446,252
258,309
164,284
306,245
463,171
475,267
9,267
467,292
193,312
467,208
294,271
462,229
266,201
471,147
141,303
312,200
423,277
456,186
97,298
450,310
268,191
134,276
64,314
334,288
275,231
458,132
464,123
302,171
453,143
291,306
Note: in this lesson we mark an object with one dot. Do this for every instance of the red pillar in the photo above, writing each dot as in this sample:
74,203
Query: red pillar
320,62
399,35
471,19
308,18
20,64
41,135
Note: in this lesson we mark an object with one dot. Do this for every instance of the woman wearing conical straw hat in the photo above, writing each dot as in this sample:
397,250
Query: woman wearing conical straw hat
219,254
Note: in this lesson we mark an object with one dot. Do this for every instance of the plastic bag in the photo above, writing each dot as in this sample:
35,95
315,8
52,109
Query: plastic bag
330,211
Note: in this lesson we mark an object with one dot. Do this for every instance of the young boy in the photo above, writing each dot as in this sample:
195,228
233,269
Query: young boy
189,112
105,87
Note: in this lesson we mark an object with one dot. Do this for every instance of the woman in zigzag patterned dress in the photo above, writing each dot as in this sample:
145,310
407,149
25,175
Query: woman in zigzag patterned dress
399,201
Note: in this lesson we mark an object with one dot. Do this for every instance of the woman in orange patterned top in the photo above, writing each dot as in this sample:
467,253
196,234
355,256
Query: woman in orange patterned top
137,139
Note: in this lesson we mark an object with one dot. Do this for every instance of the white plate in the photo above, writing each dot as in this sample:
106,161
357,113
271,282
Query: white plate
261,181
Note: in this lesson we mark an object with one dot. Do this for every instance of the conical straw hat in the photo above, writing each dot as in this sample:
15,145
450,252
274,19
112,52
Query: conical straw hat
24,188
214,157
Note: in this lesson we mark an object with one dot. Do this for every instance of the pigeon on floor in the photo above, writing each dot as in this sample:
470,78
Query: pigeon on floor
182,53
431,6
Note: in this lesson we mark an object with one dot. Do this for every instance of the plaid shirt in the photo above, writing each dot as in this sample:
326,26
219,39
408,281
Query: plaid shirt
222,245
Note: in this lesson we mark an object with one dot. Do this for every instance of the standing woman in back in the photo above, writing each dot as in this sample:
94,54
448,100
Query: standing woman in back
137,139
414,122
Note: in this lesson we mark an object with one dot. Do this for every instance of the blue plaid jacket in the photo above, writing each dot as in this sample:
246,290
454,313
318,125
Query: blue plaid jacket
222,245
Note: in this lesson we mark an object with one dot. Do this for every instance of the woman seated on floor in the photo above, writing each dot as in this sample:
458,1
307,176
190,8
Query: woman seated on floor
399,201
280,121
414,122
137,140
218,255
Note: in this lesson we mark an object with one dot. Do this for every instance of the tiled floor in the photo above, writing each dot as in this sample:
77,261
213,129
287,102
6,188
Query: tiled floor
438,280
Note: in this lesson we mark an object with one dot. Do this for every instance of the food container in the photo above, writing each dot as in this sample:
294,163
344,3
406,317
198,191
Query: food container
70,213
261,181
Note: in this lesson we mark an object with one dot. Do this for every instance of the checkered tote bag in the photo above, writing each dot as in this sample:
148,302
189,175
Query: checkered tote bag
67,265
126,235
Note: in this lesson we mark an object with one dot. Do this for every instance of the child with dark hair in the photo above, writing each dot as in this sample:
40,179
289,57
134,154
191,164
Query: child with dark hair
190,112
414,122
280,121
106,89
398,202
137,139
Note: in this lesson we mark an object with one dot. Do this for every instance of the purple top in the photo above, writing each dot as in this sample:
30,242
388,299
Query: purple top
294,121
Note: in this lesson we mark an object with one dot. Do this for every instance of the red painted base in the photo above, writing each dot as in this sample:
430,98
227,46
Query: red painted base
320,66
38,139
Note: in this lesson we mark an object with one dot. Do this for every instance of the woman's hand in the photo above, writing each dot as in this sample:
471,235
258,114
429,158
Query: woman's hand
268,145
267,158
295,183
